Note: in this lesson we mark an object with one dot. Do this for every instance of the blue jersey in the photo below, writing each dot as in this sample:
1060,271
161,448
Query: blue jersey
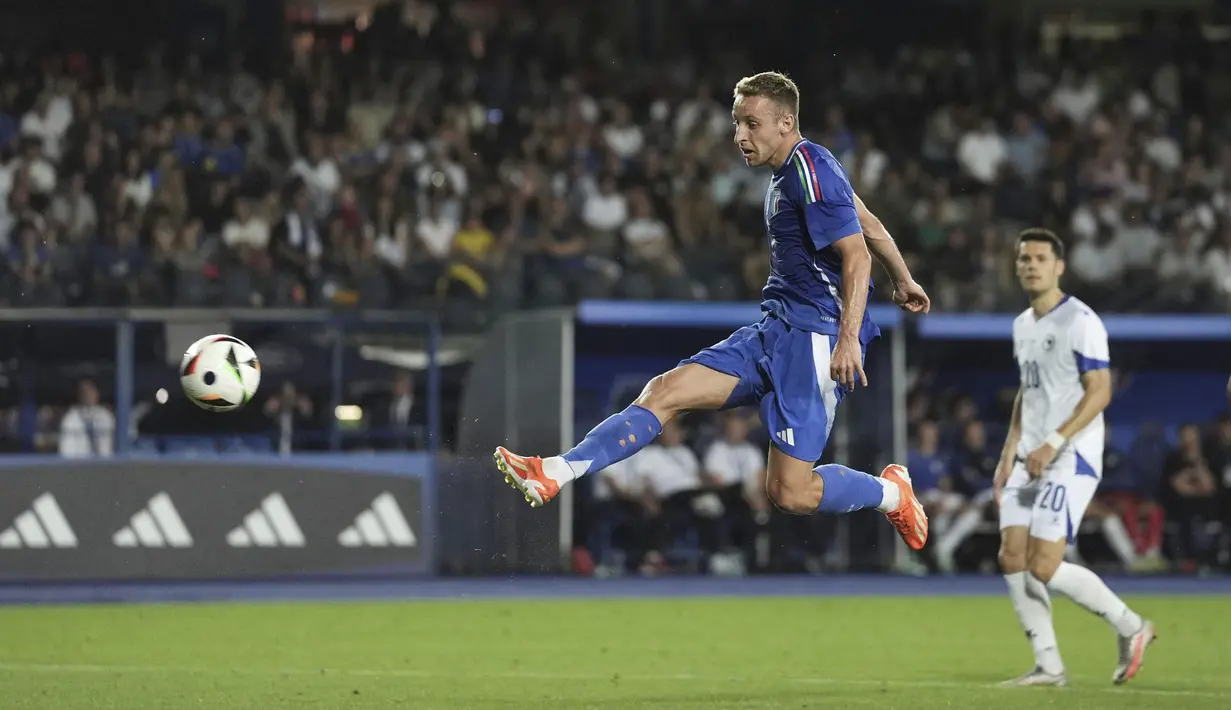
809,205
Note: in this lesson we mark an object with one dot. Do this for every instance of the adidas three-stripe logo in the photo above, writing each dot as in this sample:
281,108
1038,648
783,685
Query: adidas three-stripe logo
158,524
270,525
381,525
42,525
787,436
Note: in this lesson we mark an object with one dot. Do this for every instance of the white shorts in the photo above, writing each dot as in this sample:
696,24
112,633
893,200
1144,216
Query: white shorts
1052,506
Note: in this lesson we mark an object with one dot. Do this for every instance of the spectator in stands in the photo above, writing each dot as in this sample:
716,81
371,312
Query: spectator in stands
1181,270
1098,263
1190,497
474,258
297,242
620,524
1026,147
605,210
397,422
735,469
1120,492
435,232
676,498
647,245
1218,451
557,265
1218,266
119,267
320,174
289,412
929,471
975,466
88,427
962,410
982,152
247,236
193,266
74,210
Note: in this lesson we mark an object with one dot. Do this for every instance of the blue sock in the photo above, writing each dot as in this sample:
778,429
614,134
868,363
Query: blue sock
615,439
848,490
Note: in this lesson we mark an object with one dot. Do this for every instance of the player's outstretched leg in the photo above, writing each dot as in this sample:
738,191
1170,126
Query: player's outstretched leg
690,386
795,487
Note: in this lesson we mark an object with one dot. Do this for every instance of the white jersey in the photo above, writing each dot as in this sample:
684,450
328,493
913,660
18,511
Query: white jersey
1052,353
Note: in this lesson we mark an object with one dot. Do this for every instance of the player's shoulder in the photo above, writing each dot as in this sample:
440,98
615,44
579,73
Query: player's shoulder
1022,321
1076,313
821,175
820,158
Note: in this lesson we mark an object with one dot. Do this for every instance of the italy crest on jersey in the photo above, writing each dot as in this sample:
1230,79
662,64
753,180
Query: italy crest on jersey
772,199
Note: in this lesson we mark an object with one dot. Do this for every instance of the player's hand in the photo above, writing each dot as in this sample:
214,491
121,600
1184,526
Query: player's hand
1039,459
846,364
911,297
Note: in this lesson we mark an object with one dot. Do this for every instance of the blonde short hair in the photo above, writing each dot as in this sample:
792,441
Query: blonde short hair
775,86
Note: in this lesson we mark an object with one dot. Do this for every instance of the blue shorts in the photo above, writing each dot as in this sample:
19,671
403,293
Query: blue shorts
787,371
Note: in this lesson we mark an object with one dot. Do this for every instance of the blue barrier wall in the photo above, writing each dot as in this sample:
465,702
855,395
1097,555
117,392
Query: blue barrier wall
1176,364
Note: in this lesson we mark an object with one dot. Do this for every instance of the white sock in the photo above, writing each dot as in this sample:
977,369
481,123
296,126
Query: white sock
1033,607
1118,539
891,497
962,528
1088,591
559,470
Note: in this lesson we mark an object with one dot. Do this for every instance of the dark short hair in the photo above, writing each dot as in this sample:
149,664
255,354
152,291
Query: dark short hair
1044,236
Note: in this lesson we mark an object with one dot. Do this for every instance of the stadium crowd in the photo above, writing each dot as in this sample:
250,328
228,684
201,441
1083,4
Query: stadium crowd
416,163
473,162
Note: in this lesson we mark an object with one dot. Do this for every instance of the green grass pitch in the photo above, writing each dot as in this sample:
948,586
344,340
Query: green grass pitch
656,653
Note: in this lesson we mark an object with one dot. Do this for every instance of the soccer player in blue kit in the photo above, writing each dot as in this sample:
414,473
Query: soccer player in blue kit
801,359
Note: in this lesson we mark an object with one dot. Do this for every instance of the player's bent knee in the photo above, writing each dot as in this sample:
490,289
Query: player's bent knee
1014,549
790,499
1043,565
656,392
1012,561
1043,568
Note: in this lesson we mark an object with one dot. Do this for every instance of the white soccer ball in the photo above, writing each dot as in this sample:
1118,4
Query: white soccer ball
220,373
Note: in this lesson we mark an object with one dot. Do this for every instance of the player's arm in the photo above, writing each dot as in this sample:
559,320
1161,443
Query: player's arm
1097,395
907,293
856,273
881,243
1092,354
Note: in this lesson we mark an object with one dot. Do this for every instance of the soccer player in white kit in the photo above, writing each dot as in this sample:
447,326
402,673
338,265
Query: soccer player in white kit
1052,461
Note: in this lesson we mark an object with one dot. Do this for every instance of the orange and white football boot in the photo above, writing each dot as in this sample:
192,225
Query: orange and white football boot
525,473
909,519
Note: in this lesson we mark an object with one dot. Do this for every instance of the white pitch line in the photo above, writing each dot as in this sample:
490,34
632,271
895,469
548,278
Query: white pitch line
532,675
